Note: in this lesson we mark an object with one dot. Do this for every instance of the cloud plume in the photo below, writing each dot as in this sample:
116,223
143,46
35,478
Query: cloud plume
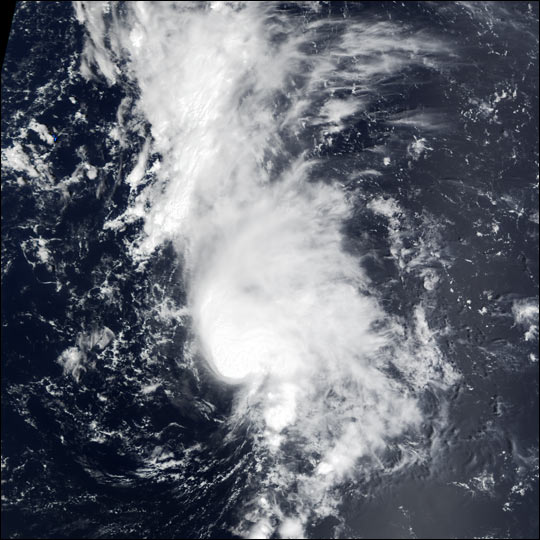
235,94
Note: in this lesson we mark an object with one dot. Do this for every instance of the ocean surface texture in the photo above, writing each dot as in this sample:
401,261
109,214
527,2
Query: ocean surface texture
270,270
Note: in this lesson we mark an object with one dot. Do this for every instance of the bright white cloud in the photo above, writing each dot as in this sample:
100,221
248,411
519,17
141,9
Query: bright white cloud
276,302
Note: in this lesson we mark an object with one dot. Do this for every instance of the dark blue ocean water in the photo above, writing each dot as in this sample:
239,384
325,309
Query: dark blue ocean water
63,477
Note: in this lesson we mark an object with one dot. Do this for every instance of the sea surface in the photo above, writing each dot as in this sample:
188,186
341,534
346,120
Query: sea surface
270,270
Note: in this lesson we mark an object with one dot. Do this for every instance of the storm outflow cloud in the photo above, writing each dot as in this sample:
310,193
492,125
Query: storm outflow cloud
233,93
